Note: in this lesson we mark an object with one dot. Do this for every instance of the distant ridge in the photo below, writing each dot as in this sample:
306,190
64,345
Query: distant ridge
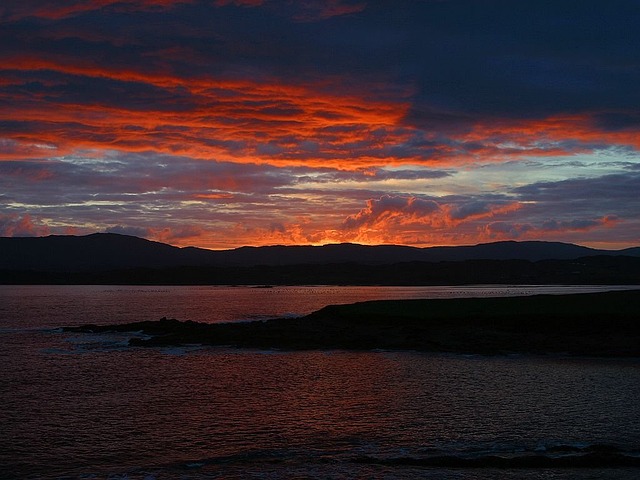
109,251
98,251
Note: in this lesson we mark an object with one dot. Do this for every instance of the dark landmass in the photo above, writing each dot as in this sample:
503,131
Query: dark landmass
596,324
112,259
96,252
598,270
110,251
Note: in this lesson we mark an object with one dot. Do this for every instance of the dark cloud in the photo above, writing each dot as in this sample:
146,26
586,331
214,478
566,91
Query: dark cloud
499,230
318,10
82,179
575,224
620,190
473,208
526,58
598,205
616,121
467,59
515,230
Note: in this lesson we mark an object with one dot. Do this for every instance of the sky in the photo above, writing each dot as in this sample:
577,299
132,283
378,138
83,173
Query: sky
222,123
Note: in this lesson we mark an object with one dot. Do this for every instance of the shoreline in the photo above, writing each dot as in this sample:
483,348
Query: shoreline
603,324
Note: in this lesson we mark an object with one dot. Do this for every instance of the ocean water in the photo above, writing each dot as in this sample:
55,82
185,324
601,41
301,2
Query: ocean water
83,406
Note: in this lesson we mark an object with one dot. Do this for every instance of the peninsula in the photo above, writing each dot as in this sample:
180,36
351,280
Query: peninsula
603,324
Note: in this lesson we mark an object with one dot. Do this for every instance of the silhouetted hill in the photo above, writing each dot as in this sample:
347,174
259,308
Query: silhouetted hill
388,254
630,252
99,251
108,251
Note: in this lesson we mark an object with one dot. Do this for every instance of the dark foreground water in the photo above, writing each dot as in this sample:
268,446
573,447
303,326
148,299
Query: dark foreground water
86,406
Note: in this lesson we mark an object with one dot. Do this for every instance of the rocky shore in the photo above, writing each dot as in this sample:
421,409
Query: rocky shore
593,324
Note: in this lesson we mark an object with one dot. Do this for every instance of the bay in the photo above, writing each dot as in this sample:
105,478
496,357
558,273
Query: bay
89,406
24,306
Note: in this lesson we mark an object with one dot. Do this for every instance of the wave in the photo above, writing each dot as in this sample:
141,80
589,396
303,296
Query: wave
555,457
594,460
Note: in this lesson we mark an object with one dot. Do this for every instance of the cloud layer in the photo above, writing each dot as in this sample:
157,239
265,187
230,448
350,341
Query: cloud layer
230,122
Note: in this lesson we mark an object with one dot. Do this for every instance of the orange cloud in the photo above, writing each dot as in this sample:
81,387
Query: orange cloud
477,210
236,120
13,225
264,121
379,213
214,196
412,220
67,8
536,137
183,235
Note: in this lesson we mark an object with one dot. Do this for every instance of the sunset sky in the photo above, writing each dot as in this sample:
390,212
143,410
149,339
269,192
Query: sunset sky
221,123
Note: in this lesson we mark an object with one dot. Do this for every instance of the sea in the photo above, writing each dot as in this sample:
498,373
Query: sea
88,406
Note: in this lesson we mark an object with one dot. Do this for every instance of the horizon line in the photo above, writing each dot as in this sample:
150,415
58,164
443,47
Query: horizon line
326,244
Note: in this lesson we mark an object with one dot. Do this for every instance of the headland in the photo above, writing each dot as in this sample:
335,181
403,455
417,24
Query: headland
603,324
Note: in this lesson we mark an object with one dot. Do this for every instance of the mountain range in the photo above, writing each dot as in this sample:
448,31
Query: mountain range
109,251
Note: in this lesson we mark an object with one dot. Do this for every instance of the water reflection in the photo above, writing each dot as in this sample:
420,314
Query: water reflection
101,414
26,306
72,409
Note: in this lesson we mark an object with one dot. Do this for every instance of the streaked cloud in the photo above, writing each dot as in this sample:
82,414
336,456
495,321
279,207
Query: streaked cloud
229,122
